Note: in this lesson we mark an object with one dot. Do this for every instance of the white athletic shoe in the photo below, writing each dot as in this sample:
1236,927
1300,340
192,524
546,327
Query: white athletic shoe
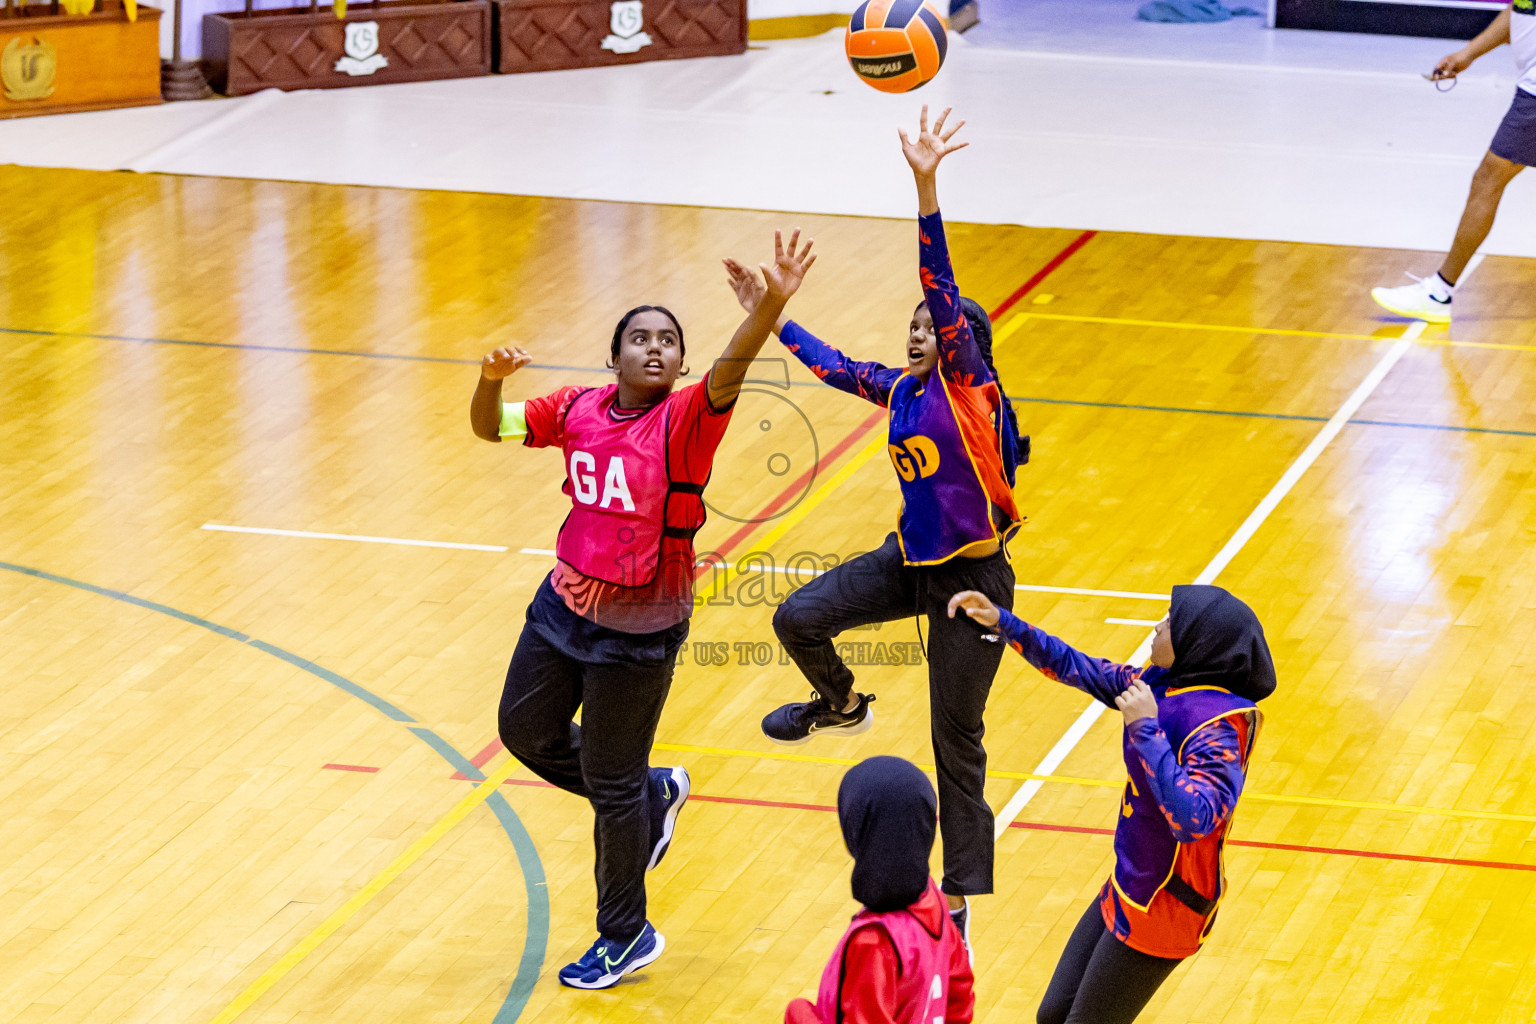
1414,300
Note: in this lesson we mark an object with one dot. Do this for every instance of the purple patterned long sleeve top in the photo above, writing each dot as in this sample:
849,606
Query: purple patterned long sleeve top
1196,793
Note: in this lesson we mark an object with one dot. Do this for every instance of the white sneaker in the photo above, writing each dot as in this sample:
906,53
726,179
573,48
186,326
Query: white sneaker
1414,300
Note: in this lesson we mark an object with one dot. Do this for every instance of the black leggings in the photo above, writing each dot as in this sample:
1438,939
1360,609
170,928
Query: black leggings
620,683
880,587
1099,979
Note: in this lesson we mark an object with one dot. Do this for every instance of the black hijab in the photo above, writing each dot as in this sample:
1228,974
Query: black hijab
889,814
1217,641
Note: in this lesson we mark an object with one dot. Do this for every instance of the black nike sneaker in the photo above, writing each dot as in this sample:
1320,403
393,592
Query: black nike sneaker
794,724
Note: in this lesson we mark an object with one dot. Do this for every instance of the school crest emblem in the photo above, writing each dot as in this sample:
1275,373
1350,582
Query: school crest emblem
625,19
362,45
27,69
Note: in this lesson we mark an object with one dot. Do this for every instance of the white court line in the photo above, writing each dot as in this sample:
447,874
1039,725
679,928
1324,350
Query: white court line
1085,592
1132,622
353,536
1070,739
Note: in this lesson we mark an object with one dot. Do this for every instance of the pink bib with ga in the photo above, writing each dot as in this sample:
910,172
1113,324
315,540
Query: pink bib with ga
622,500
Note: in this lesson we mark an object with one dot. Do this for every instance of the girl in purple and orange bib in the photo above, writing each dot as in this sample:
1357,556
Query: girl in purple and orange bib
604,629
902,960
954,443
1190,725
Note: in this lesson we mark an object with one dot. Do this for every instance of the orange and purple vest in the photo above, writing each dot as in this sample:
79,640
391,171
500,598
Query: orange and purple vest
944,444
1148,857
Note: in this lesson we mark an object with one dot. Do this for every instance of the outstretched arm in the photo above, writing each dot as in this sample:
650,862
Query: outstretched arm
959,357
485,407
870,381
781,281
1099,678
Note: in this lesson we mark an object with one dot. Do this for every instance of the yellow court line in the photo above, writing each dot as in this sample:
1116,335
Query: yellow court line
1018,320
1308,801
272,975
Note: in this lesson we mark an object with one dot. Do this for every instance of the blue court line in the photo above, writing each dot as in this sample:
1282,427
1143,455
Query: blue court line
1441,426
296,350
463,764
536,935
1172,408
1130,406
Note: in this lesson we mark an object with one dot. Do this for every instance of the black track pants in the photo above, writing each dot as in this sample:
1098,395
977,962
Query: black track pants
879,587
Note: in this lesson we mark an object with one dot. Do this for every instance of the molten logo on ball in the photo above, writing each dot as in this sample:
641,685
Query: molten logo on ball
896,45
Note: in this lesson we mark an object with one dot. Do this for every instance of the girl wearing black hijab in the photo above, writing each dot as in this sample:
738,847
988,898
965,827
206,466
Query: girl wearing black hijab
1190,724
902,960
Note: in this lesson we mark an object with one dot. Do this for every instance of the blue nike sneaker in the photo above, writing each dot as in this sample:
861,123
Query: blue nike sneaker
606,962
669,791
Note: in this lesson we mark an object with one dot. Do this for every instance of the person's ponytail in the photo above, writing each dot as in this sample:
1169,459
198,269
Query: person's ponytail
1014,444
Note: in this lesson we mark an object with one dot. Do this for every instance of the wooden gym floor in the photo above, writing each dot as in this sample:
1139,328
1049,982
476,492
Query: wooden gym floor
233,765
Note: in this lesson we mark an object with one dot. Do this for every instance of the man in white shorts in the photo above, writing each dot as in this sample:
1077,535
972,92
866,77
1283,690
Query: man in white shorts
1513,150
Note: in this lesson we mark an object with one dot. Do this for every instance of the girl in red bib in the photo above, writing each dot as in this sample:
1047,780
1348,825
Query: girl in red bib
902,960
604,629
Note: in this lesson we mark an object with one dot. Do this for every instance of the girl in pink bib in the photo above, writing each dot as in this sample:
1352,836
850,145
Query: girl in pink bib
605,626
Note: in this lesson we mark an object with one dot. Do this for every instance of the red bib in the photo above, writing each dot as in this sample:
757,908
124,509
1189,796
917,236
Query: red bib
923,988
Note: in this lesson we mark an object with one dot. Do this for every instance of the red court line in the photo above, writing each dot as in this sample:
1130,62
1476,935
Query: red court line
479,760
491,750
1414,858
351,768
1044,272
1040,826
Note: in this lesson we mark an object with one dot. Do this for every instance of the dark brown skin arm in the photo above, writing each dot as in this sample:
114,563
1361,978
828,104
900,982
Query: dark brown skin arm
485,407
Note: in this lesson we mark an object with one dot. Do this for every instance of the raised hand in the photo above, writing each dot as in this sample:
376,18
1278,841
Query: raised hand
931,144
789,265
977,605
503,363
745,283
